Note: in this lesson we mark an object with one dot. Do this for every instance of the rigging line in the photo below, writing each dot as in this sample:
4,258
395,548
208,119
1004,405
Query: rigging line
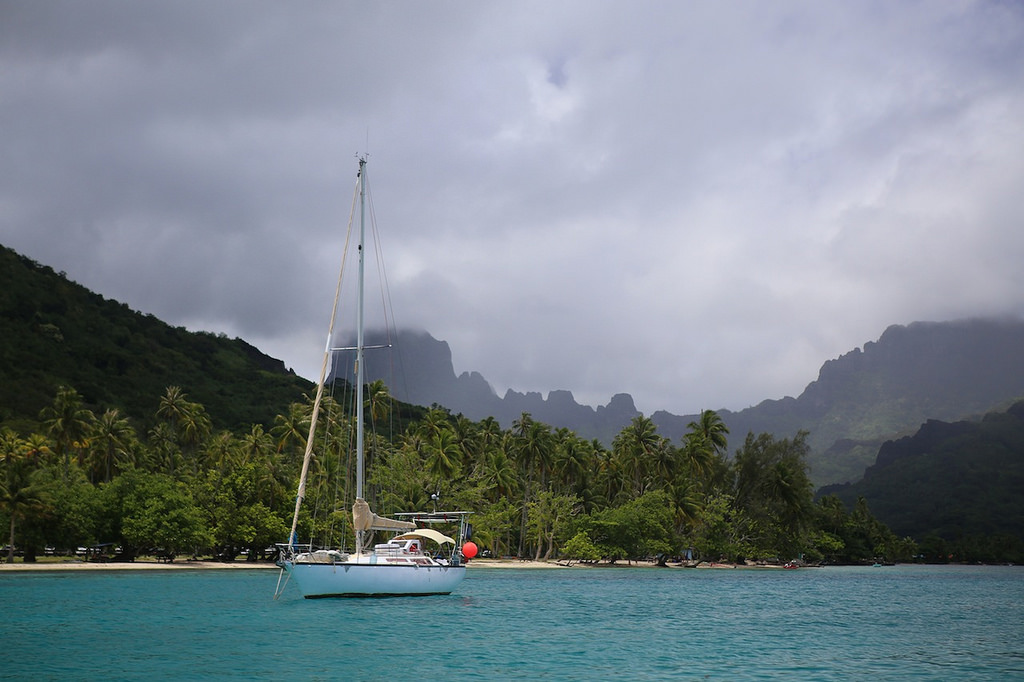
307,456
385,291
390,323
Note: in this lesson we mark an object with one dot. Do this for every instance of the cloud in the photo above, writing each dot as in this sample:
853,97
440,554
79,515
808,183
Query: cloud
696,204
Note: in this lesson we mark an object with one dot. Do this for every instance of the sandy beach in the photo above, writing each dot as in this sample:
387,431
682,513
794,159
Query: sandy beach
144,565
131,566
152,565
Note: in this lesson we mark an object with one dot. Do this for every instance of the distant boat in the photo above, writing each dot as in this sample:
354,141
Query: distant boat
400,566
790,564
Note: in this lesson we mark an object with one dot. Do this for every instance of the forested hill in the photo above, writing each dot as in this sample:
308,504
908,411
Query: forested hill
55,332
950,480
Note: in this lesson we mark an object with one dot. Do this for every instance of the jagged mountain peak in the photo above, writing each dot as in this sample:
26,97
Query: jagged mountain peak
887,388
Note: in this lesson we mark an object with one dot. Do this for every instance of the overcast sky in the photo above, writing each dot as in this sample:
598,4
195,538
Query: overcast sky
697,203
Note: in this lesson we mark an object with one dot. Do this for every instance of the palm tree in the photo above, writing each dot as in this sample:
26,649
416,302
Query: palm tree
194,429
436,419
221,451
686,503
19,494
290,430
67,422
257,449
705,441
111,439
378,401
465,432
533,449
499,474
635,448
442,455
173,407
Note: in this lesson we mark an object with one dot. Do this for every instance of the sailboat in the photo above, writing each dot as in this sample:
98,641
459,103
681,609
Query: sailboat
406,564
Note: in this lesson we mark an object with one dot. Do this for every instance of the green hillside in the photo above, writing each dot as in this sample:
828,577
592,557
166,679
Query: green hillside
951,481
55,332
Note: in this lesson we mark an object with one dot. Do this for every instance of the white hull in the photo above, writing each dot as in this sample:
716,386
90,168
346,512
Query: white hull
350,579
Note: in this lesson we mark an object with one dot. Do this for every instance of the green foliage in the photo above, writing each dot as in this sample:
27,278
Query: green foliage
189,489
582,548
54,332
962,482
774,493
718,531
183,485
642,528
157,513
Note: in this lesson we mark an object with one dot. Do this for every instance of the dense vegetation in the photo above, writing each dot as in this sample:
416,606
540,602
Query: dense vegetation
184,488
956,486
55,332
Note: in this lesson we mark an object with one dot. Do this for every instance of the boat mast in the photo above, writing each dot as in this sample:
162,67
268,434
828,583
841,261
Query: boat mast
359,346
308,455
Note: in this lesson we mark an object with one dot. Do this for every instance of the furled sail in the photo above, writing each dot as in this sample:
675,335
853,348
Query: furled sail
364,519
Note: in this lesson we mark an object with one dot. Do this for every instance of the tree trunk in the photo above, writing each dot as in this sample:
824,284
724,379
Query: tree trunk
551,546
10,545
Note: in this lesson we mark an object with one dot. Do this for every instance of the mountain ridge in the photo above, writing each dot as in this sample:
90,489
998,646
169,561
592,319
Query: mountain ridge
888,388
54,331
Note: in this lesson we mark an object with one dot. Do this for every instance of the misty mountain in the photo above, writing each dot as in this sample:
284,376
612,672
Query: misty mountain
925,370
950,480
420,372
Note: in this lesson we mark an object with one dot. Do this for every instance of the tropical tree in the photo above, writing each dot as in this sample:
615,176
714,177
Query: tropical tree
705,442
533,450
173,407
773,490
111,441
290,431
443,455
378,401
499,474
67,422
20,494
157,513
549,520
188,425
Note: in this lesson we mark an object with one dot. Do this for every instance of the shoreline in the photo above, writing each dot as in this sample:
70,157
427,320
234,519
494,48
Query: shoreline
152,565
475,564
132,566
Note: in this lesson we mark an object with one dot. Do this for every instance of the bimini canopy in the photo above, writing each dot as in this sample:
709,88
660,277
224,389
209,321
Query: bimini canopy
429,534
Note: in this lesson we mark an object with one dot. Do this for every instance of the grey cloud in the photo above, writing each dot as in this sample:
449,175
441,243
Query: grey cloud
697,204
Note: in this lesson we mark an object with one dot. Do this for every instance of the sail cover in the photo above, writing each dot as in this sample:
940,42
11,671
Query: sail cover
364,519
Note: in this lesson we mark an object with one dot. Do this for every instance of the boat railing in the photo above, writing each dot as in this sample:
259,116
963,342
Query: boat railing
287,550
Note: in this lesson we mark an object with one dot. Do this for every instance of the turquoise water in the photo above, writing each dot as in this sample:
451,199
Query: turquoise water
904,622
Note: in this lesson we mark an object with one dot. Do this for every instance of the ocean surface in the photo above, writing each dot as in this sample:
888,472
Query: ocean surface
889,623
